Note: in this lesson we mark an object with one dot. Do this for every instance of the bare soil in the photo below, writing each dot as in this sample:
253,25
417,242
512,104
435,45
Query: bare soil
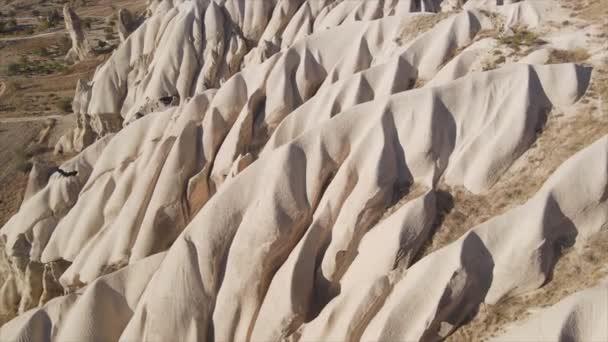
46,88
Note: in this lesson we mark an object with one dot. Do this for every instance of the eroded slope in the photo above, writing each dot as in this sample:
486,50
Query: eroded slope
274,180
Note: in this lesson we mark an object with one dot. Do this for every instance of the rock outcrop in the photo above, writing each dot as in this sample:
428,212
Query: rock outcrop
579,317
284,169
125,23
80,45
38,179
83,134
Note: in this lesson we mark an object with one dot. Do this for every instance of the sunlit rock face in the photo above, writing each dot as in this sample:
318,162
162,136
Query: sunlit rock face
276,170
80,45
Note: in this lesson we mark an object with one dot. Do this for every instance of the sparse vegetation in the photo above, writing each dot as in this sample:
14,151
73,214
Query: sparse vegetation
577,55
459,210
34,150
50,20
574,271
8,26
417,25
65,105
28,66
41,52
22,161
520,38
64,45
78,3
23,157
494,62
33,43
87,23
50,122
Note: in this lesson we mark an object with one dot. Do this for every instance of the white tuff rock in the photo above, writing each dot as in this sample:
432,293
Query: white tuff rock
283,166
80,45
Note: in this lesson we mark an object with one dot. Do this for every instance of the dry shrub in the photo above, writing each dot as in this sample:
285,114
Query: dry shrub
577,55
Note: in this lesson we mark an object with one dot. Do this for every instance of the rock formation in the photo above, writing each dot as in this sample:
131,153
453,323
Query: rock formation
82,135
301,170
125,24
579,317
38,179
80,46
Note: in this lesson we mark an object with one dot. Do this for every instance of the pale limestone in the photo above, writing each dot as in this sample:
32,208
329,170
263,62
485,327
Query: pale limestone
250,195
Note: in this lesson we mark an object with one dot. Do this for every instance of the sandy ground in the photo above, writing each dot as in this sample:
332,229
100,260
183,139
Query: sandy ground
13,136
17,140
17,136
29,101
563,136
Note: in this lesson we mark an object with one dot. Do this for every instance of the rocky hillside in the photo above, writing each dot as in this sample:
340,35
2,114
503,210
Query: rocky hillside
327,170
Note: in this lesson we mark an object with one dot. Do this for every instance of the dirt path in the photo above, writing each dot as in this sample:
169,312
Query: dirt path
30,118
41,35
